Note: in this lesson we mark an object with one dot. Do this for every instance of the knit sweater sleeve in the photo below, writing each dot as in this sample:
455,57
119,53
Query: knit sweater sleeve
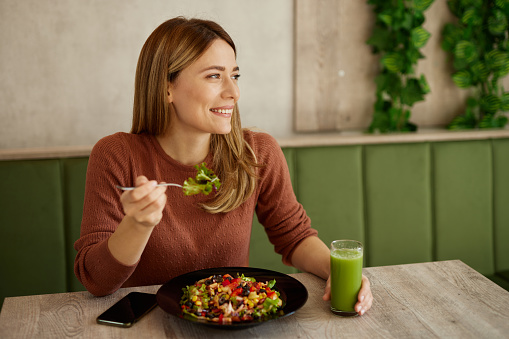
95,266
283,217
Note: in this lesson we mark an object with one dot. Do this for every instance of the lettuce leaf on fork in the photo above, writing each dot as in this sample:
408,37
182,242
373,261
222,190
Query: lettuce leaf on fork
204,182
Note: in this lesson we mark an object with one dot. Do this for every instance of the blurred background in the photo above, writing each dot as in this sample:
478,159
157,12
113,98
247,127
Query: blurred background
68,66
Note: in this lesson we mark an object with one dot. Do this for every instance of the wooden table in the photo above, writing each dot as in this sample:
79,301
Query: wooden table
444,299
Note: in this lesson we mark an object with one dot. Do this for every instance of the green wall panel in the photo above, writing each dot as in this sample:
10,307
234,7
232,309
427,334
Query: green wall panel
398,204
262,254
74,174
329,181
261,251
463,203
501,202
31,228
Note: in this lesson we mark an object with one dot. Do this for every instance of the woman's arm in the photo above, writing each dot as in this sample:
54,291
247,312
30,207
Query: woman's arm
313,256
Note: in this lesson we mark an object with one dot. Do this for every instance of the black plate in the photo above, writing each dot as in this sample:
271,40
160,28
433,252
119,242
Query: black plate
292,292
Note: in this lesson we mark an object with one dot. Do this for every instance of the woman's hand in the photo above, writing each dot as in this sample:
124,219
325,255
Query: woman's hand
143,208
145,203
365,298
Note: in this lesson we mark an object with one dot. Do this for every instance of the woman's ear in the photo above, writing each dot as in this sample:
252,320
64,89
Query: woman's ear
169,96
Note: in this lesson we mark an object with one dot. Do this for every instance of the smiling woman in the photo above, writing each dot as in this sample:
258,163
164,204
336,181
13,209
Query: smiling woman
186,113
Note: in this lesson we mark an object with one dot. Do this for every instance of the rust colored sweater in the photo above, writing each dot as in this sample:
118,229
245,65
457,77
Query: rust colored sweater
187,238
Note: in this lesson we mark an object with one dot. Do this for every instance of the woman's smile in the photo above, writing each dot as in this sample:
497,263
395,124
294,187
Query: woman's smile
225,112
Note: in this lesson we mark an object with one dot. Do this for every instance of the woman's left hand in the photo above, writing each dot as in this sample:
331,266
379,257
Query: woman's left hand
365,298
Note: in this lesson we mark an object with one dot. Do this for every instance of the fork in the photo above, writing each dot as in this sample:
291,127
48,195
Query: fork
158,185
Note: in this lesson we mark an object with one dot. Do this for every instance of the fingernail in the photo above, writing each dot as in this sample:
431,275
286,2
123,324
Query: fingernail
362,311
362,298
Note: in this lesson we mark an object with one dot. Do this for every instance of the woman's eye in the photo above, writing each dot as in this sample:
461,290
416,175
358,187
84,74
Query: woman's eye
236,77
214,76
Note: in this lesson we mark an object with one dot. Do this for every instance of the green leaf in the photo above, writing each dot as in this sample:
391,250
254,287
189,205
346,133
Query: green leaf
385,17
496,59
466,50
413,55
388,82
412,92
504,70
490,121
381,39
497,23
451,35
424,84
472,102
462,122
501,3
394,62
504,102
472,17
455,7
419,37
462,79
422,5
480,72
490,103
406,22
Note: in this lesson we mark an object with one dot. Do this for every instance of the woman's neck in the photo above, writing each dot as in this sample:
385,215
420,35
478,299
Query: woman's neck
186,149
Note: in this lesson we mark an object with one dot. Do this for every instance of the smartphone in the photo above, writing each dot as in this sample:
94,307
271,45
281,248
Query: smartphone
128,310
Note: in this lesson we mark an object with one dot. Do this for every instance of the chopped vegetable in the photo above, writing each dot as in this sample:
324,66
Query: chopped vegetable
204,182
224,299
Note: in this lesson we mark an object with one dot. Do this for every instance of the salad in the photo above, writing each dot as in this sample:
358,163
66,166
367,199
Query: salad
204,182
225,299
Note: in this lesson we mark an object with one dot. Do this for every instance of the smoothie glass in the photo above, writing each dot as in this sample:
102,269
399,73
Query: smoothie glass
346,276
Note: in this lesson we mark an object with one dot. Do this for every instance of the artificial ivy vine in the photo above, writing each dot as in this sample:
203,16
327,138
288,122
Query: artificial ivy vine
479,45
397,37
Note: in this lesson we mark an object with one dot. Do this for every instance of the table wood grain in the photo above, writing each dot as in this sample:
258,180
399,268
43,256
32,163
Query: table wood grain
446,299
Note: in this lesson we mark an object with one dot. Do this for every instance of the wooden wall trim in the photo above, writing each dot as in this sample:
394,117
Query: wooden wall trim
45,152
358,138
302,140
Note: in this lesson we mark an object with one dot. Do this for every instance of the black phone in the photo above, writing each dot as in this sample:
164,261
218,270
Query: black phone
128,310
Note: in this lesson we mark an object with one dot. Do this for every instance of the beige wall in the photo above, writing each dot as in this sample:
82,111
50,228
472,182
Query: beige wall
67,67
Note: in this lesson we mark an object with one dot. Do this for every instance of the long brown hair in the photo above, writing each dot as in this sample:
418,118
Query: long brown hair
173,46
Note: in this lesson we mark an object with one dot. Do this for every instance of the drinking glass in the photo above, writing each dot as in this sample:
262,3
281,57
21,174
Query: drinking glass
346,276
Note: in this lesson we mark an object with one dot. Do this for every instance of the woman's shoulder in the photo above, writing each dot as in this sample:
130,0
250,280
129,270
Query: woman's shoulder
120,144
260,140
121,140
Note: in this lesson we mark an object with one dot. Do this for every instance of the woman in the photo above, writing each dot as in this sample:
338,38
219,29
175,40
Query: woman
185,113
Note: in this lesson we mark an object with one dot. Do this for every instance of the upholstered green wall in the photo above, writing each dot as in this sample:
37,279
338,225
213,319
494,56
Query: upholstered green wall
411,202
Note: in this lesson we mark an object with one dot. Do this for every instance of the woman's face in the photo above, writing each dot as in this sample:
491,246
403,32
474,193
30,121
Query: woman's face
205,92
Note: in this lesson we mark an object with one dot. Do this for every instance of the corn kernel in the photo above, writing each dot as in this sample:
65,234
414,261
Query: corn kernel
198,303
194,298
219,289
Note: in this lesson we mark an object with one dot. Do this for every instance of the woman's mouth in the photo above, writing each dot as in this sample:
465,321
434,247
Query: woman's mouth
222,111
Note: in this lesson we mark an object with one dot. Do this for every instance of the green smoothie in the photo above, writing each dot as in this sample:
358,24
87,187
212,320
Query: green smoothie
346,277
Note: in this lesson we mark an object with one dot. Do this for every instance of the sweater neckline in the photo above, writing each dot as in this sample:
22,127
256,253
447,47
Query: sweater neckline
159,149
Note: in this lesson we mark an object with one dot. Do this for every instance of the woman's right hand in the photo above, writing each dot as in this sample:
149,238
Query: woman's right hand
145,203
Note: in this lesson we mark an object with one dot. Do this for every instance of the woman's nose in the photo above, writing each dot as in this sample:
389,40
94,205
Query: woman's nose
231,89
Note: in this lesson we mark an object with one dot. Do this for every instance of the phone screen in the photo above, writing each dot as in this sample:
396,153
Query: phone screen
128,310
